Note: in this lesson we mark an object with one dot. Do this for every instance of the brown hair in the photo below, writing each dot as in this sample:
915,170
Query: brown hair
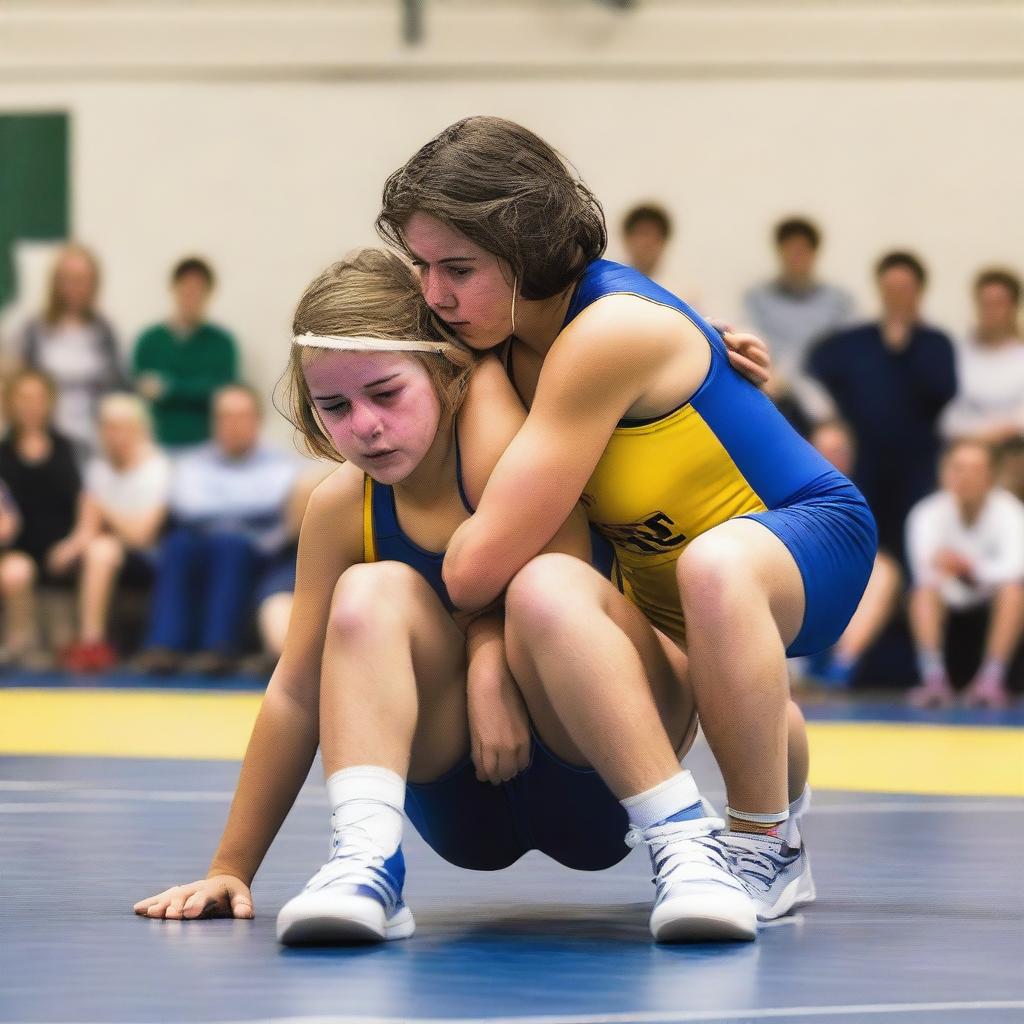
15,381
54,307
371,294
507,190
1000,276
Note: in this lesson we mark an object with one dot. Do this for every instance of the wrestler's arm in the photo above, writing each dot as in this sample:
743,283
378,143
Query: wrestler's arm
499,723
287,730
599,367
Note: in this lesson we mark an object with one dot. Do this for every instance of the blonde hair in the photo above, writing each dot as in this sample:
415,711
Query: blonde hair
54,306
11,385
124,403
372,294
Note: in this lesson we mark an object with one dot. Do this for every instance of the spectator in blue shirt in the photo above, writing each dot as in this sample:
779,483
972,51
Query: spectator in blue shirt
228,506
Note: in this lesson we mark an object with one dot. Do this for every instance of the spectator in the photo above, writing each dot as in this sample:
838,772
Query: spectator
179,365
75,345
646,230
990,366
276,589
124,507
890,381
836,667
228,502
966,548
792,311
38,466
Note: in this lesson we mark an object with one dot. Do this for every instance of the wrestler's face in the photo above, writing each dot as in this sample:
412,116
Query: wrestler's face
379,408
465,285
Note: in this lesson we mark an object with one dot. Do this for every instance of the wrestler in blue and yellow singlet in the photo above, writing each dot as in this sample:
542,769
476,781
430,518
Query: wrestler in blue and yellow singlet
726,452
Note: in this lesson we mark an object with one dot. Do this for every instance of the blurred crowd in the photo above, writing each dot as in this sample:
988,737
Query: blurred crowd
929,423
142,513
145,517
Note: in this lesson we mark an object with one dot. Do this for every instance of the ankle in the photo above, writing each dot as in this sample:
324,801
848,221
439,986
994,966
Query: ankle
757,822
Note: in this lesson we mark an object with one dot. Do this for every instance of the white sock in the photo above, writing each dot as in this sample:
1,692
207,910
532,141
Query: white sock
371,797
663,801
931,665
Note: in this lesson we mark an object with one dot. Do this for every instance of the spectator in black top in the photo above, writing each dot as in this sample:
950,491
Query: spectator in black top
38,467
890,381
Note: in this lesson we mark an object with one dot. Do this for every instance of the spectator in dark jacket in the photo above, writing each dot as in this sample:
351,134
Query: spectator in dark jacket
890,381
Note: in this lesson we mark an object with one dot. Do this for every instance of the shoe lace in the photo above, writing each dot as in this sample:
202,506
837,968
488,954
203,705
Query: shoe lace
757,867
690,847
355,857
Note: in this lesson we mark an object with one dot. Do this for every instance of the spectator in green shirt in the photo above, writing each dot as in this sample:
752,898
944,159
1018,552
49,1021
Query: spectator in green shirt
178,365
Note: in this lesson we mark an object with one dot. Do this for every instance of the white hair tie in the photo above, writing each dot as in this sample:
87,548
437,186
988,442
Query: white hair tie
345,343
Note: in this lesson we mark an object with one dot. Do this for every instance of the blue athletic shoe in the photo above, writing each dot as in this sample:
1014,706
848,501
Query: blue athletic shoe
774,870
355,897
698,898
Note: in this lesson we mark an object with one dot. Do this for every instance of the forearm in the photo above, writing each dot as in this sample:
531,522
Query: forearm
277,762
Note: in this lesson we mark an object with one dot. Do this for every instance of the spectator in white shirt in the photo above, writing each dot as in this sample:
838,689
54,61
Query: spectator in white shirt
989,403
229,500
965,546
124,506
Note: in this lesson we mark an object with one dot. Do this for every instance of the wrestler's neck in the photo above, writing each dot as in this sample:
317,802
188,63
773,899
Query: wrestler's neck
432,475
539,321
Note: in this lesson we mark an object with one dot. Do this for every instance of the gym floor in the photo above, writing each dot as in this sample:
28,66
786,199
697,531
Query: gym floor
110,794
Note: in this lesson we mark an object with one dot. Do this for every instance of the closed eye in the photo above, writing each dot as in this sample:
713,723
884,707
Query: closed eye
337,405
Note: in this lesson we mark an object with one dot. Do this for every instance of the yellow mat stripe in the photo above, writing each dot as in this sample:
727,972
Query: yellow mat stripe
127,723
895,757
880,757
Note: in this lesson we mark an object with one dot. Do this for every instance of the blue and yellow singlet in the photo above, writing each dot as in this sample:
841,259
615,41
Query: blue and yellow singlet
724,453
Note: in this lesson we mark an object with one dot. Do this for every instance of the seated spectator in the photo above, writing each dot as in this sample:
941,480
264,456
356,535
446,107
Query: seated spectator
38,466
228,504
792,311
180,364
75,345
124,505
966,549
989,404
276,589
836,667
890,381
646,230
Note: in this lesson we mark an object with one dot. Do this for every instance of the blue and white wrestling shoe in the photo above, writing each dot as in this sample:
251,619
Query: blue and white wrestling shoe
355,897
774,870
698,899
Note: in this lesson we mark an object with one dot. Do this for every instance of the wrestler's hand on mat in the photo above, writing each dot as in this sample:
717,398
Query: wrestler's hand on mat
219,896
748,353
499,728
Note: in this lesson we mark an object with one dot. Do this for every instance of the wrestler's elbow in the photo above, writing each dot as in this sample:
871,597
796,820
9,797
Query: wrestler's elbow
470,582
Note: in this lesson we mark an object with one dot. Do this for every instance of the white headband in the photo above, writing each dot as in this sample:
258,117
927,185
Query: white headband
342,343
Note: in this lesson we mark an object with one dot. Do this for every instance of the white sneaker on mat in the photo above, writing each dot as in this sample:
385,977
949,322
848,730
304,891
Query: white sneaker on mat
775,870
699,899
355,897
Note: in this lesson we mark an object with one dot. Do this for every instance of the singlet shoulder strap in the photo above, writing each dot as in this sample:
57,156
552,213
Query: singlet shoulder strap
369,535
458,472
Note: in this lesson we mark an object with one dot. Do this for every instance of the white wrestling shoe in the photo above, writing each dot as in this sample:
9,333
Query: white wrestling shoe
774,870
355,897
699,899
